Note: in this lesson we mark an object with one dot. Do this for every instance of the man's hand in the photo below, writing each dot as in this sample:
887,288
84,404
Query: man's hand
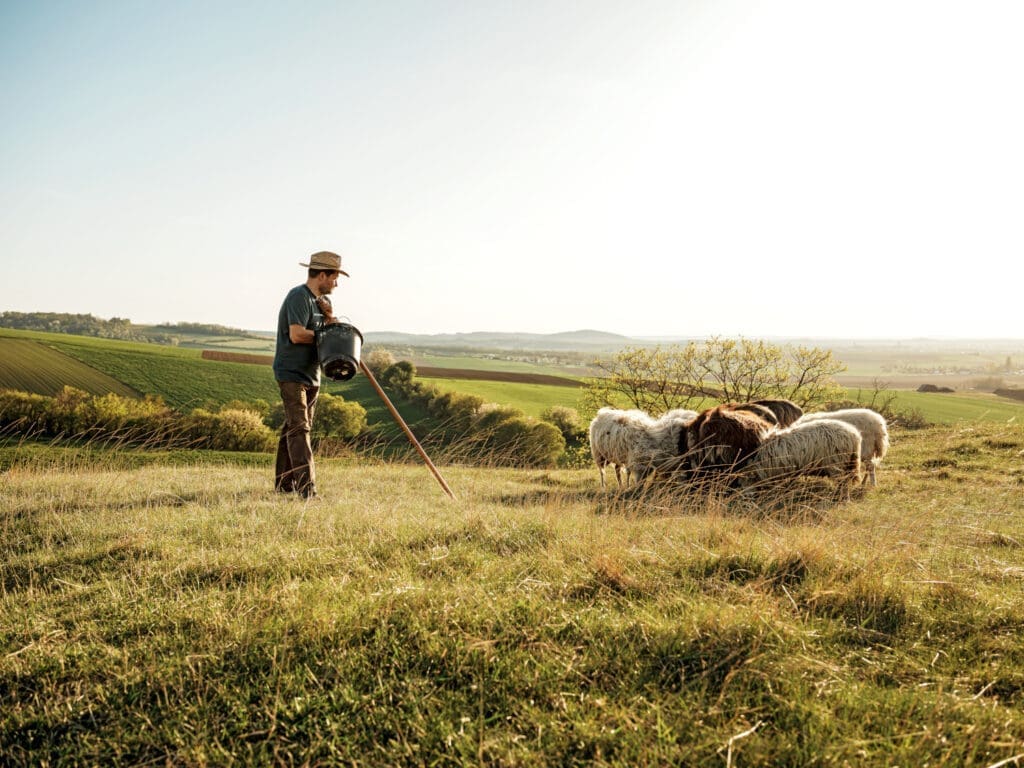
324,302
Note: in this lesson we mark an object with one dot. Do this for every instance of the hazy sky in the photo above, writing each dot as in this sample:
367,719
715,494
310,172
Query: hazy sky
646,167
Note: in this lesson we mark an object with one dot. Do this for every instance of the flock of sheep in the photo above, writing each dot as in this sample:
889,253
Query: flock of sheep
759,442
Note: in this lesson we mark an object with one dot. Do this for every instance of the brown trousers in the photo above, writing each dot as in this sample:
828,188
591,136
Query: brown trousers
295,470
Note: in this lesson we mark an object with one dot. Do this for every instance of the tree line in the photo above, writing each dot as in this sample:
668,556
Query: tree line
120,328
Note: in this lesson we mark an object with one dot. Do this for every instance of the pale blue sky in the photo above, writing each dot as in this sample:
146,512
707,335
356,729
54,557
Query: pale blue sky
651,167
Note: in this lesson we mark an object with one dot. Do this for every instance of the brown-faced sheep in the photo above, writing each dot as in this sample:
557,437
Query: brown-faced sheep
786,411
723,437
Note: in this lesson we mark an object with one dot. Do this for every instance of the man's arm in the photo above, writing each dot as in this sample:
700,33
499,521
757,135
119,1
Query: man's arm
300,335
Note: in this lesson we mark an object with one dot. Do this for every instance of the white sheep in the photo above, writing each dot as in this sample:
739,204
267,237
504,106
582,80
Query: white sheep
657,445
613,437
684,414
817,447
873,432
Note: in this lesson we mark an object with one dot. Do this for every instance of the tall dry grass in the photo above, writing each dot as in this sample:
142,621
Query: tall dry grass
185,614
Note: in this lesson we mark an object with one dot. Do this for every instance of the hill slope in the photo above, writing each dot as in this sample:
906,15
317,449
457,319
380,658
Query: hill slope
32,366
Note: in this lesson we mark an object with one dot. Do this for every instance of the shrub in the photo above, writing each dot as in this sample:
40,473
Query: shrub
274,417
456,410
335,417
23,412
125,418
567,420
66,416
492,415
229,430
523,441
399,377
262,407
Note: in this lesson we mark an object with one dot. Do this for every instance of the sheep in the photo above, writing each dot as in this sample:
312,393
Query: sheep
723,437
873,431
763,411
683,414
818,447
613,435
786,411
656,448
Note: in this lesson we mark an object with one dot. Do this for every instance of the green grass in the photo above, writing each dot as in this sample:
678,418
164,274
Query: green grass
951,408
184,614
483,363
31,366
180,376
532,399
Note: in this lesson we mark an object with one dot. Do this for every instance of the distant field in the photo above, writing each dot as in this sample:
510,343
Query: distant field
939,408
507,376
491,363
231,343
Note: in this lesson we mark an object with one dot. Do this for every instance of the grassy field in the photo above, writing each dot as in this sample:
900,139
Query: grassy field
181,613
942,408
532,399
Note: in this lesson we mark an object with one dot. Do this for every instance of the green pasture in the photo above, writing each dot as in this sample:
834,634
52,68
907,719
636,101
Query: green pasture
486,363
950,408
245,344
531,399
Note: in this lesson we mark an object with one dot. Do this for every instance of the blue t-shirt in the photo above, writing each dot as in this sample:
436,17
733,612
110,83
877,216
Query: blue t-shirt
297,362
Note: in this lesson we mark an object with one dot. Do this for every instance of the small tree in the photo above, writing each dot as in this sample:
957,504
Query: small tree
656,380
378,360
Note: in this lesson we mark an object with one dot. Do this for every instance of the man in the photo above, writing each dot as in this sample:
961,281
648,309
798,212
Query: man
306,309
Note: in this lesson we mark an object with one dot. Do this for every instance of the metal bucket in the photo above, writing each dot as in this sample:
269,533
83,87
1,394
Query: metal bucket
338,346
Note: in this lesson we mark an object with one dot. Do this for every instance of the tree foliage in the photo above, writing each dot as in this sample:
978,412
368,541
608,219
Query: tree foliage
378,360
657,379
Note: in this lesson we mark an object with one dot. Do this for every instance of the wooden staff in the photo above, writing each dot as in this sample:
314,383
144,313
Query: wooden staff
405,428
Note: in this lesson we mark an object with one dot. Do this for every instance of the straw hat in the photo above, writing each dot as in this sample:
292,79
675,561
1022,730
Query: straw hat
325,260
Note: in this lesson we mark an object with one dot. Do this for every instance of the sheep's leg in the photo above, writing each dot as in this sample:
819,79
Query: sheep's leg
871,474
844,489
618,475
